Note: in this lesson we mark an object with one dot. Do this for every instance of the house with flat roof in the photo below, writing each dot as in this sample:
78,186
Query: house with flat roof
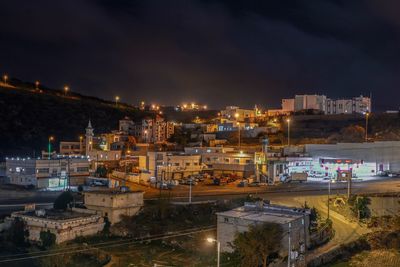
65,225
114,203
294,222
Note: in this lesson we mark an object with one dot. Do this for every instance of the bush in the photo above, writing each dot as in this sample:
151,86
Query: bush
47,239
62,201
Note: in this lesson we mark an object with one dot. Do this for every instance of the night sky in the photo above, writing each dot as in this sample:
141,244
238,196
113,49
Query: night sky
212,52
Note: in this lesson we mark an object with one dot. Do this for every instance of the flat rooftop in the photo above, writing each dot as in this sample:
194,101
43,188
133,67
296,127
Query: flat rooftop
267,213
112,192
52,214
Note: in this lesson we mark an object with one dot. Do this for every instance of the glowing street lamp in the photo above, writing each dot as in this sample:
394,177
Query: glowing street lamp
238,125
66,89
37,83
51,138
288,126
5,78
116,100
213,240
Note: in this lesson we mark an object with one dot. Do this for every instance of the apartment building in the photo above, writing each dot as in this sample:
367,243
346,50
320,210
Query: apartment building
149,130
44,173
360,104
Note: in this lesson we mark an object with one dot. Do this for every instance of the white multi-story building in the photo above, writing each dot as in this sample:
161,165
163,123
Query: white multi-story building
360,104
288,104
315,102
326,105
43,173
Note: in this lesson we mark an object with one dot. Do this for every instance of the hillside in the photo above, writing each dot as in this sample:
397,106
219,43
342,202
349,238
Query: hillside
29,116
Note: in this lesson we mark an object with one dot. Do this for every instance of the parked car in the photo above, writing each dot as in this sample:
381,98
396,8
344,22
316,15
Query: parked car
254,184
243,183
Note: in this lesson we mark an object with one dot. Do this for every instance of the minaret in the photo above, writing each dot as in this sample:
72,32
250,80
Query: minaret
89,138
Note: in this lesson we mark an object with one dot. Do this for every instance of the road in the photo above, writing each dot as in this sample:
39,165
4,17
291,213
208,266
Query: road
13,200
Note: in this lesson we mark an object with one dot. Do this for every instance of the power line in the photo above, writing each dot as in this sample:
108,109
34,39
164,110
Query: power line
117,243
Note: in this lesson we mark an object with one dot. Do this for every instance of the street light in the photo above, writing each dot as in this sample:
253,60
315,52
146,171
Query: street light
145,135
37,83
5,78
366,126
238,124
66,89
116,100
288,134
212,240
51,138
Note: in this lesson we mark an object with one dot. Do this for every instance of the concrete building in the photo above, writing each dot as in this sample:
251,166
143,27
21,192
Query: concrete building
242,114
238,220
150,130
240,164
315,102
288,104
44,173
325,105
72,148
173,165
114,203
365,159
65,225
359,105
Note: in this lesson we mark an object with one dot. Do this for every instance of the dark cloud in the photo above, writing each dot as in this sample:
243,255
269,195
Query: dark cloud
215,52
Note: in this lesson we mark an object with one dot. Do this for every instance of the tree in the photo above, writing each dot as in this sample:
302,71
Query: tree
259,244
107,224
18,234
47,239
62,201
359,207
101,171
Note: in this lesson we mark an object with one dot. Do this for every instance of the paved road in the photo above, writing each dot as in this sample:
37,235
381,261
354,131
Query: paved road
10,199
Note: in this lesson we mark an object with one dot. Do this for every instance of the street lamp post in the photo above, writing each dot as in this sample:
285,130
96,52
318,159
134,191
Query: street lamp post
238,125
5,78
366,126
212,240
80,144
116,100
66,89
329,195
37,83
51,138
288,121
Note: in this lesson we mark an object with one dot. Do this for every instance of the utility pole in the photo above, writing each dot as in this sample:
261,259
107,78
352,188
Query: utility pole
190,191
329,194
289,249
288,121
